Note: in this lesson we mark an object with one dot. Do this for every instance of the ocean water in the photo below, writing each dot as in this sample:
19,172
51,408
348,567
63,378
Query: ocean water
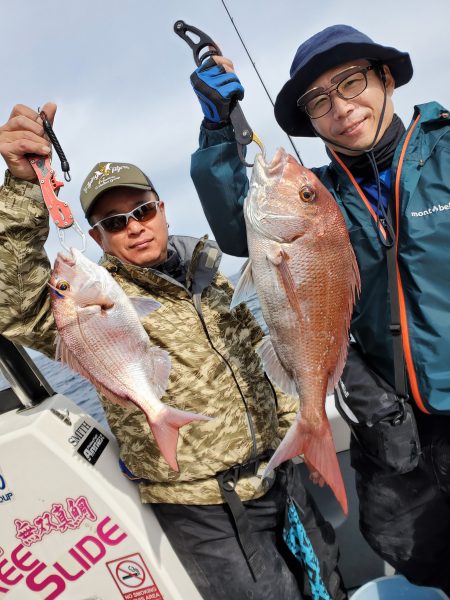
67,382
64,381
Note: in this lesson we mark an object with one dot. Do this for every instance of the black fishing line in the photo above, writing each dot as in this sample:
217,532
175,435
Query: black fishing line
259,76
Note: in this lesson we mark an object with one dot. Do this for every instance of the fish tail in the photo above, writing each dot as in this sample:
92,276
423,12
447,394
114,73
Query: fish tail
317,446
165,431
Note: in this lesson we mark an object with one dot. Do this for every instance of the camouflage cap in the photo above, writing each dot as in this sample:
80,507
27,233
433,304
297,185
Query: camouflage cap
108,175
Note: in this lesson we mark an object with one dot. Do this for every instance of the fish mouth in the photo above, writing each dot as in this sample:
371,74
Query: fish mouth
75,256
263,169
64,265
66,260
278,161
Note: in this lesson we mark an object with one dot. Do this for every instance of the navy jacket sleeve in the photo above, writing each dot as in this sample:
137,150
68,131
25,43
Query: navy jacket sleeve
222,185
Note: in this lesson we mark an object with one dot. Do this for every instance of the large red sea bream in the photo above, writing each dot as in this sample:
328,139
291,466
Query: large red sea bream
305,273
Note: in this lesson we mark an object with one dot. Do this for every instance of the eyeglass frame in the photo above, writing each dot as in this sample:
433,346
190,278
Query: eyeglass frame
327,91
128,216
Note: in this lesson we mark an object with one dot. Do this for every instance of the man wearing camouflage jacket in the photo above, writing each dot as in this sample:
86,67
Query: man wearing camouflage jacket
214,365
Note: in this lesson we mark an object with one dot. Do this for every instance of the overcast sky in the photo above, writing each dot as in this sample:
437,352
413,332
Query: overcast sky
120,77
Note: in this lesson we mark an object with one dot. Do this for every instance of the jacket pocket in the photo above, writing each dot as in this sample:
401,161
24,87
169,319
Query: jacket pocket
383,425
393,441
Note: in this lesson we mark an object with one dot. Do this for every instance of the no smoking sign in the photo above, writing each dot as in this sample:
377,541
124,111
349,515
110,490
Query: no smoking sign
132,577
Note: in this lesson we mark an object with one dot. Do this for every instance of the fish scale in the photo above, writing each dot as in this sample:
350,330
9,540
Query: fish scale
303,268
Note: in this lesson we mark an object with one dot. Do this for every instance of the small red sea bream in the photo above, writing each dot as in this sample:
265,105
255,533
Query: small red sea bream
101,337
306,277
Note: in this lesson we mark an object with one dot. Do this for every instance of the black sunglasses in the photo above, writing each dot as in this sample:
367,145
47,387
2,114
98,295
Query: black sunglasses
142,213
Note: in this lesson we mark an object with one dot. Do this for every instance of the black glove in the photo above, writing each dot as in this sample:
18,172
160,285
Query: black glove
217,90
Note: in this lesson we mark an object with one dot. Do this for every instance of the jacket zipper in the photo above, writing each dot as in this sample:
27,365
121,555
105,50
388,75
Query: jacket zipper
247,412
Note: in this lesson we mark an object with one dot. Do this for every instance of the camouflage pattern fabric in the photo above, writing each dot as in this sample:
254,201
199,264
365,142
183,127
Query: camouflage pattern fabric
25,314
215,369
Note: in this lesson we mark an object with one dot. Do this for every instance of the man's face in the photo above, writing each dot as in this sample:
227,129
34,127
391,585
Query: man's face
353,123
141,243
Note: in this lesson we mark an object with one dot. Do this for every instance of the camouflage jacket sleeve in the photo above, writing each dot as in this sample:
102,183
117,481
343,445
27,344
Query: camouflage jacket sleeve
25,313
287,409
287,406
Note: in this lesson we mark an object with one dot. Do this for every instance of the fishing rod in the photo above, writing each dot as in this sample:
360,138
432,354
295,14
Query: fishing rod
259,76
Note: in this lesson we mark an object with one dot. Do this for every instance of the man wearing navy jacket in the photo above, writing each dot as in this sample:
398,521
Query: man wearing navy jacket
393,186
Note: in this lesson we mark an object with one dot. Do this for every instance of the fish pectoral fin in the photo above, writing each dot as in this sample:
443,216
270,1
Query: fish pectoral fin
245,287
274,368
279,258
160,360
144,306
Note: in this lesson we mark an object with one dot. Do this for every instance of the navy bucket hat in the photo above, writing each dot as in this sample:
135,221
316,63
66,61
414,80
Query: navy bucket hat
327,49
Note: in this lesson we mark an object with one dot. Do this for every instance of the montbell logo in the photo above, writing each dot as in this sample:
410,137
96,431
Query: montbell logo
434,209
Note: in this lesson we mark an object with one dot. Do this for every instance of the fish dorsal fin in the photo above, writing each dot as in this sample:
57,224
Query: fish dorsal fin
66,356
160,359
245,287
144,306
273,367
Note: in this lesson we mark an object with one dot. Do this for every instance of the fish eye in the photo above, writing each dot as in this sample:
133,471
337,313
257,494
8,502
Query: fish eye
62,285
306,194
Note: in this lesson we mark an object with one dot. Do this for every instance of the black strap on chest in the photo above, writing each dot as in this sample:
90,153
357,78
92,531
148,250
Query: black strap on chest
401,386
227,481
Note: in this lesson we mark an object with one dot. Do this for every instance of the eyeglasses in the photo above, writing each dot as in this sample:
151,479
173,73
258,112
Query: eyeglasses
141,213
348,84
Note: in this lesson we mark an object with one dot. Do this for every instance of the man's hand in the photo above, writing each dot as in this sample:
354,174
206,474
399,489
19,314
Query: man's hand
217,87
24,134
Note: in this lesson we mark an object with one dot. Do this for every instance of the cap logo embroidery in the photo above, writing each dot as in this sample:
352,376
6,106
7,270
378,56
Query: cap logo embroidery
104,174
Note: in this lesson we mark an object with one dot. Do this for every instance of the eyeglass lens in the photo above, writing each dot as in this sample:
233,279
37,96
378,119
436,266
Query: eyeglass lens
351,86
143,213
